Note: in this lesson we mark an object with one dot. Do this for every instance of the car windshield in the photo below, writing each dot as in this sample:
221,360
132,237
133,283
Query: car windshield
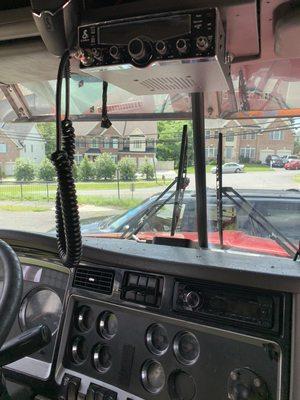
121,170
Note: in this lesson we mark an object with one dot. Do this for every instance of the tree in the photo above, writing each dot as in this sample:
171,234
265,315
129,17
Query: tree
85,170
105,167
297,147
48,132
169,141
46,171
128,169
147,170
24,170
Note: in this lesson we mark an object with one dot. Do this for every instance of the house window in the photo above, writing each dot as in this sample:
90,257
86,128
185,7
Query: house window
248,136
3,148
137,144
247,152
211,152
78,158
207,134
229,136
115,143
32,148
228,152
276,135
106,143
95,143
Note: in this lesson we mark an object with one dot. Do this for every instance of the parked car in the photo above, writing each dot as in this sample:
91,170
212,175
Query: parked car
272,158
279,163
230,168
287,159
295,164
280,207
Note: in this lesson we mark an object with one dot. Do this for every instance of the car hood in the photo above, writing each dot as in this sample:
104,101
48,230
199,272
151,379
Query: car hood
232,240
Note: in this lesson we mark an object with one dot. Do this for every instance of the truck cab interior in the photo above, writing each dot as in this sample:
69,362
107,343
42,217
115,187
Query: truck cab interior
167,316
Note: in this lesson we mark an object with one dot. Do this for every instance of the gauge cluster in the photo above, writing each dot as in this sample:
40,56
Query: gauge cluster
155,357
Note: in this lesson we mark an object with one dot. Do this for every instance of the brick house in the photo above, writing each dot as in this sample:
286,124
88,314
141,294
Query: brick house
123,139
249,139
9,152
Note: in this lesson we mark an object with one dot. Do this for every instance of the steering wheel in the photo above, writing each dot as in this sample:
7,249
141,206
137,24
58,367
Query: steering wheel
11,296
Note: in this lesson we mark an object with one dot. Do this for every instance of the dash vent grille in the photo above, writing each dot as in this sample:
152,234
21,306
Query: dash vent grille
94,279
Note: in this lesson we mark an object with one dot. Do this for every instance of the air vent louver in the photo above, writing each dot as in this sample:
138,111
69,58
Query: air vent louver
142,289
94,279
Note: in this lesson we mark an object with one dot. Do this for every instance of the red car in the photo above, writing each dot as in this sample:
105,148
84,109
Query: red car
295,164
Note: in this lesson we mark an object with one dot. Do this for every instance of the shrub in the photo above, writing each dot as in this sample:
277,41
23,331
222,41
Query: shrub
128,169
105,167
212,162
85,170
24,170
75,171
46,171
147,170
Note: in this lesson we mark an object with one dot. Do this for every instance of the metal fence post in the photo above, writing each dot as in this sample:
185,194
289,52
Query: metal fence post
47,189
118,182
21,187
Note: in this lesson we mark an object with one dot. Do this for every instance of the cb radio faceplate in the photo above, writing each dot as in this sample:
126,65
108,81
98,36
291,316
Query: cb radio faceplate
162,53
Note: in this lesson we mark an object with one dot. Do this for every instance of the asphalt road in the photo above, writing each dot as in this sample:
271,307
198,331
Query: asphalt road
45,220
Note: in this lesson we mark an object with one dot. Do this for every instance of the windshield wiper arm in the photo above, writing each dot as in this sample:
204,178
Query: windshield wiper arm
182,181
262,221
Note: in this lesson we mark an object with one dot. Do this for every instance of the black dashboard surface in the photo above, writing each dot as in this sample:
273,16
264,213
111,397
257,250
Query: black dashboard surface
219,266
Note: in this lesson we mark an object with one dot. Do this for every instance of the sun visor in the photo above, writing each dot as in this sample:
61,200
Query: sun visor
287,33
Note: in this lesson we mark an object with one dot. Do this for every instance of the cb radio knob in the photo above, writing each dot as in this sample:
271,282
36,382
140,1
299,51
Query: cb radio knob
182,46
192,299
139,50
161,47
114,52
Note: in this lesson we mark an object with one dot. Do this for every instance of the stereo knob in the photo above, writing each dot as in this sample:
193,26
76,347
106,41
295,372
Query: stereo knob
139,50
182,46
114,52
202,43
161,47
192,299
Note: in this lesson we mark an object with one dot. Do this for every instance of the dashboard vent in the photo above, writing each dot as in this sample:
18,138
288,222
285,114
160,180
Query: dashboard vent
142,289
94,279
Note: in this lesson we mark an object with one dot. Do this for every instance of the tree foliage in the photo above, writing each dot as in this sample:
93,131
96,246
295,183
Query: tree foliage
85,170
147,170
47,171
48,132
169,141
24,170
128,169
105,167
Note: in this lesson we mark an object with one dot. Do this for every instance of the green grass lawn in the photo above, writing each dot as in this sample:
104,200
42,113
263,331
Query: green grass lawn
21,208
109,202
39,191
296,178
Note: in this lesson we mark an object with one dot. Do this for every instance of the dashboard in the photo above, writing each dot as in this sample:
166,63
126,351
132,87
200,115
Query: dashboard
128,326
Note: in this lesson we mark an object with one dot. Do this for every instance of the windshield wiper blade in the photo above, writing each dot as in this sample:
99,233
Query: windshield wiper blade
219,184
182,181
261,220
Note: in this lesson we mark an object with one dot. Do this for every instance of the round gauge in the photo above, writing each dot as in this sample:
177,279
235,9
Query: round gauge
108,325
153,376
157,339
83,318
102,358
40,306
78,350
181,386
186,348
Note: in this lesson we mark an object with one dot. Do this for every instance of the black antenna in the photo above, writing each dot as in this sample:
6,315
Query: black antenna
219,183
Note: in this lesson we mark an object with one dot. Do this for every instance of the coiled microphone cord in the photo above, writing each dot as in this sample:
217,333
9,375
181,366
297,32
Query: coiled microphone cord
67,215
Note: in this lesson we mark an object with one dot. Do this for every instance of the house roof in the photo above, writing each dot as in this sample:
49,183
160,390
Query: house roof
122,128
19,132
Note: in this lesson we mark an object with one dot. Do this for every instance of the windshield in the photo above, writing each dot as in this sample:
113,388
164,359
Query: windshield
121,171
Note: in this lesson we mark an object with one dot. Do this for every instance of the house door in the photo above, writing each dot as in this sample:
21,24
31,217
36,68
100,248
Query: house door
264,153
